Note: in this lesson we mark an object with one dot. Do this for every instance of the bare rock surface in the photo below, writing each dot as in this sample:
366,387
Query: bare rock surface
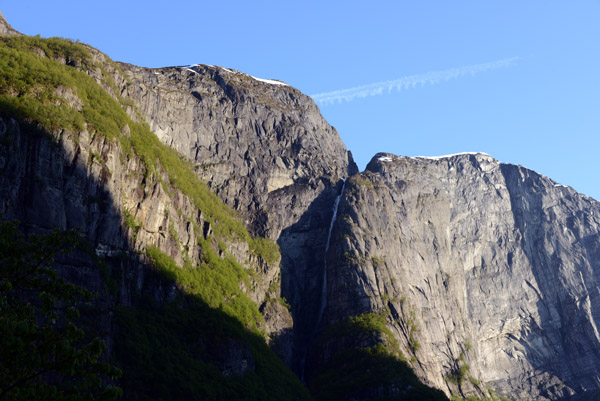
486,265
5,28
265,149
261,145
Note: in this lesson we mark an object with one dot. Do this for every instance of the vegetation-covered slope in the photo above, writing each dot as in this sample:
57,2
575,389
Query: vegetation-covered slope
61,89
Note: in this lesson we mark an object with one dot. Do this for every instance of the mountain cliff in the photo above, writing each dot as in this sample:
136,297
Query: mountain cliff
224,214
485,273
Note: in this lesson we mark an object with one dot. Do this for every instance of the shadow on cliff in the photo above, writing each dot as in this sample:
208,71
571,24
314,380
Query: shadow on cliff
302,248
169,344
564,327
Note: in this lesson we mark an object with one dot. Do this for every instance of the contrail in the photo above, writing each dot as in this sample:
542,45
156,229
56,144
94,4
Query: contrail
410,81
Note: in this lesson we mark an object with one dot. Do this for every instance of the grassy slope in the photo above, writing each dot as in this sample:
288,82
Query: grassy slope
35,74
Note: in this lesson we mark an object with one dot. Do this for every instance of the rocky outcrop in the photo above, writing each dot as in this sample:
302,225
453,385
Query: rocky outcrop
265,149
5,28
261,145
487,273
79,181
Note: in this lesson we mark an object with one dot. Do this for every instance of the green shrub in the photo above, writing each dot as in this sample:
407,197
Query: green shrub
265,248
458,375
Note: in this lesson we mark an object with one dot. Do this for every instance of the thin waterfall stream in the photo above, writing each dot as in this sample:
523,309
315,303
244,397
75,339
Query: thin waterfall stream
324,287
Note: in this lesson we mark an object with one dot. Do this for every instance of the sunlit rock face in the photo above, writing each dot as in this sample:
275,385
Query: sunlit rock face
485,264
262,145
266,150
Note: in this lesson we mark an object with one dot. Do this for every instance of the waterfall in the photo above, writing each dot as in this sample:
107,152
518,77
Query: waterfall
324,287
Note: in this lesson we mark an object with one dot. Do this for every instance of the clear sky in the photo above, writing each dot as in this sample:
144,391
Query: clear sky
517,79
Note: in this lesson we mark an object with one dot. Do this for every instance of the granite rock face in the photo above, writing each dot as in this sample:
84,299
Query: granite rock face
487,266
265,149
261,145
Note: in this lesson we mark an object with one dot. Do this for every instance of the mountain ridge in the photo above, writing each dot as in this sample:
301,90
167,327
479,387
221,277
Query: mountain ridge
479,275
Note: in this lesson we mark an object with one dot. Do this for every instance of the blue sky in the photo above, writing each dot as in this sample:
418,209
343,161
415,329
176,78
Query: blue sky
540,110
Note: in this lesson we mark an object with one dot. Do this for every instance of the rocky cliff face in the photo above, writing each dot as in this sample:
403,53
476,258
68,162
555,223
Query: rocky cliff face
5,28
487,273
265,149
138,204
262,145
482,276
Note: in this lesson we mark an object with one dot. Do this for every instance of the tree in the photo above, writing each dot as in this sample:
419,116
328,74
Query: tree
43,352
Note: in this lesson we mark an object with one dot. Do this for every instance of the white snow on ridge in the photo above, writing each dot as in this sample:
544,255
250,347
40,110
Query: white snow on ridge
454,154
384,159
270,81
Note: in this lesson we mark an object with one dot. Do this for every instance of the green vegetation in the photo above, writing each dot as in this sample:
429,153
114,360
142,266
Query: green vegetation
44,85
357,371
458,375
411,325
216,281
474,381
179,353
361,180
377,261
265,248
131,223
358,368
413,329
44,353
367,325
31,75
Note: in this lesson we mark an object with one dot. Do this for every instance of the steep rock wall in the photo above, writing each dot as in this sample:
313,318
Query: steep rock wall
265,149
486,273
262,145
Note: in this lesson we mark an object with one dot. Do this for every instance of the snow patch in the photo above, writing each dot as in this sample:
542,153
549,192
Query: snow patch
452,155
270,81
267,81
384,159
560,186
